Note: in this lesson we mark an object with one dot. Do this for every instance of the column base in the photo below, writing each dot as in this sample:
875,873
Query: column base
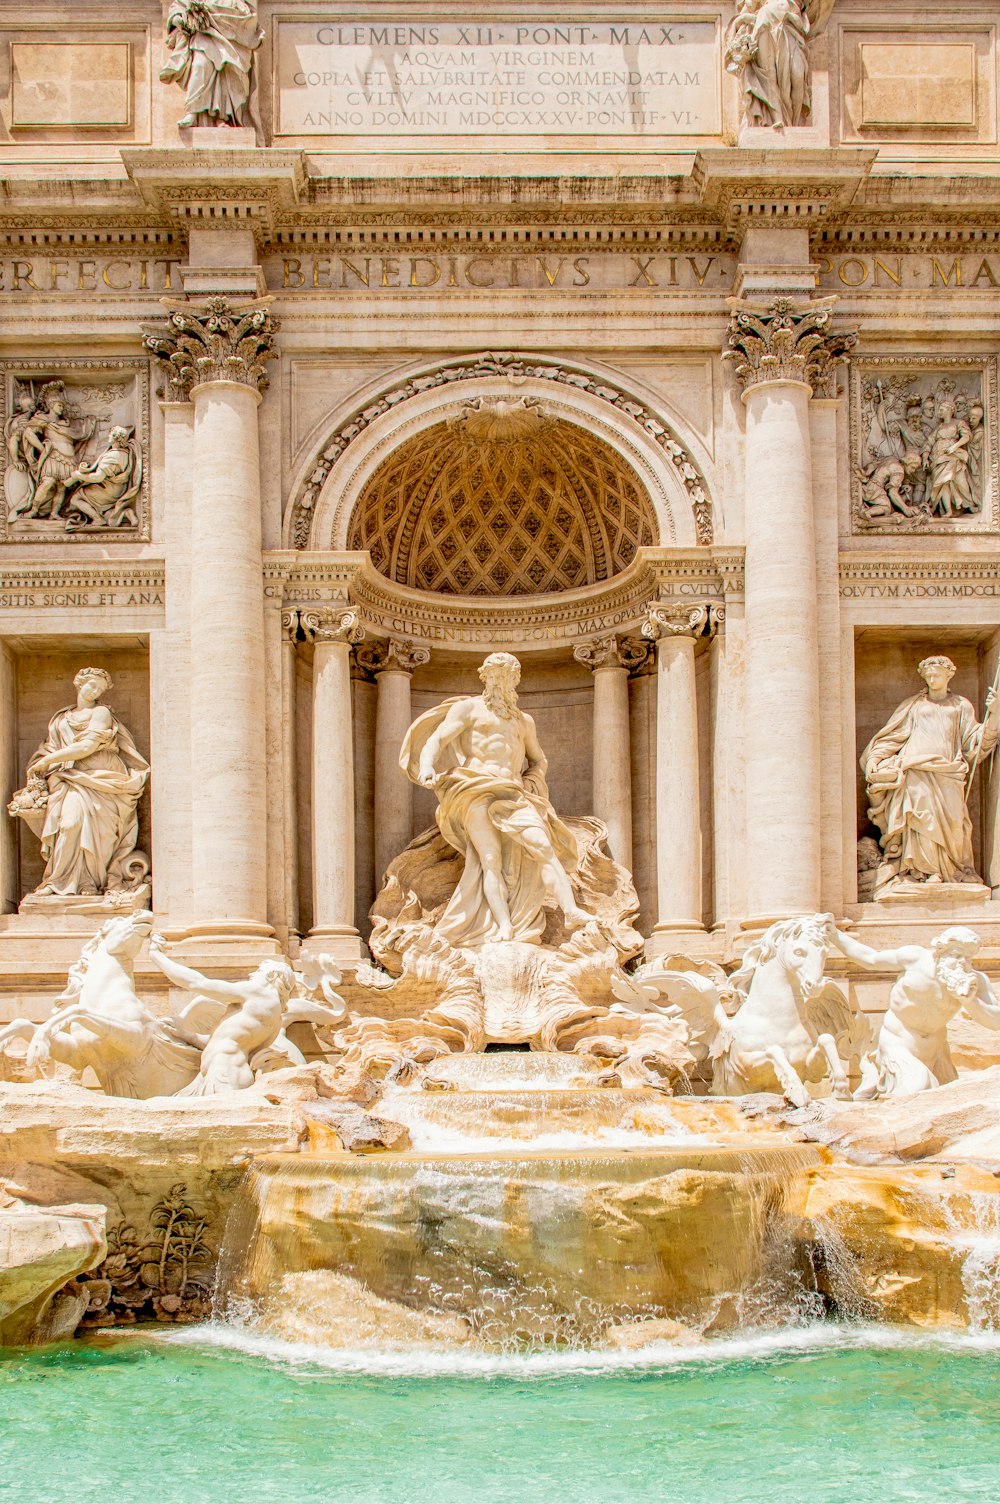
679,938
341,942
228,929
758,923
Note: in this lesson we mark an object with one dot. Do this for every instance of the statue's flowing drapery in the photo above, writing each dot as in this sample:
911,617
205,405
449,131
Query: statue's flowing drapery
917,767
90,825
515,808
213,63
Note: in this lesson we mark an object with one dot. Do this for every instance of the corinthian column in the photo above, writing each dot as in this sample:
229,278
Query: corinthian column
391,663
334,631
611,660
781,355
675,630
216,354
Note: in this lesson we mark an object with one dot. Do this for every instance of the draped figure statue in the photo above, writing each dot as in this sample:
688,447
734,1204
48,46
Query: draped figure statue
480,754
84,783
917,769
768,43
212,45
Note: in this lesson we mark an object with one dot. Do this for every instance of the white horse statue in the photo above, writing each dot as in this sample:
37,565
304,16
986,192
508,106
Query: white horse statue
793,1026
100,1022
789,1025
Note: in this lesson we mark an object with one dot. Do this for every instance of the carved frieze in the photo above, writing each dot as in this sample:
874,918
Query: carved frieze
924,444
75,434
786,343
219,340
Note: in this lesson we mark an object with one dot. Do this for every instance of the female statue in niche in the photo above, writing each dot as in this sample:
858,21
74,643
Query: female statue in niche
84,783
917,772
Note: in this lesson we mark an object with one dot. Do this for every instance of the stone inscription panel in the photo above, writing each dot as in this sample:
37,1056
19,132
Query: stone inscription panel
71,84
520,77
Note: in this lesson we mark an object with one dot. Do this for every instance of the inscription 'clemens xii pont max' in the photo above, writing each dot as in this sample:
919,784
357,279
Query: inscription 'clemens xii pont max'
519,77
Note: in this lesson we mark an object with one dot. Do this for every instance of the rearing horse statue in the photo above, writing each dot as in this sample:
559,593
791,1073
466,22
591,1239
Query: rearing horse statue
792,1025
100,1022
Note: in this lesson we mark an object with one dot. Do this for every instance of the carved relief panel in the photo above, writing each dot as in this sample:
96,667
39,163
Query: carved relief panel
924,446
74,450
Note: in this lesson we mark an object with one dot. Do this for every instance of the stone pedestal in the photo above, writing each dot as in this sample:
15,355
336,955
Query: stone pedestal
334,631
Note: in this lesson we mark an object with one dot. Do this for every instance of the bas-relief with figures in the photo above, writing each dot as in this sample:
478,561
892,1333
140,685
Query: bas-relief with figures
494,619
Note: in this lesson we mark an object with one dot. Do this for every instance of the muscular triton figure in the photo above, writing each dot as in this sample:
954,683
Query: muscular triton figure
480,754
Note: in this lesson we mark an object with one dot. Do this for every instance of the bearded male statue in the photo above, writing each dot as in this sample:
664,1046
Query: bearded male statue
480,754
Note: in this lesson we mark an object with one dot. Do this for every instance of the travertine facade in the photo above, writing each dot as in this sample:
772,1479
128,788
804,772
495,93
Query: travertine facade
661,352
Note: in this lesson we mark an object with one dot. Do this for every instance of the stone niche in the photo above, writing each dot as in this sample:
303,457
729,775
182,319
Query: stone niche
41,674
885,674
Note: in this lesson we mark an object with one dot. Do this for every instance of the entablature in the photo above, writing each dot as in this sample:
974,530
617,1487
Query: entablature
707,576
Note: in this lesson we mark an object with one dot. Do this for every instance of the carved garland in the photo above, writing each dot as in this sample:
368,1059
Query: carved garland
502,364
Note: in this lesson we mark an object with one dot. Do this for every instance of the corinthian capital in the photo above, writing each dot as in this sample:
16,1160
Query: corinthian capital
331,624
682,620
784,343
612,652
214,341
384,653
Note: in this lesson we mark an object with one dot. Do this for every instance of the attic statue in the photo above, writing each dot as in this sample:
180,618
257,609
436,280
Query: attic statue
919,770
212,45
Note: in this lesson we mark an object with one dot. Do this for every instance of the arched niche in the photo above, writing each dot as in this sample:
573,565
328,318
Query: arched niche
635,440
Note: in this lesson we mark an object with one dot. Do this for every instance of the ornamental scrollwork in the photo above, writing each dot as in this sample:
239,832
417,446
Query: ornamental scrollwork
215,341
785,343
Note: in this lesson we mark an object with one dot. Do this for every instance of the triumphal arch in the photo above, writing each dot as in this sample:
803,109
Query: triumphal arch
344,348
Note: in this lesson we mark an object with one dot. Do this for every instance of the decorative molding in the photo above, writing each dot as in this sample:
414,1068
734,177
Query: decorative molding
99,584
491,364
325,625
214,341
785,343
338,582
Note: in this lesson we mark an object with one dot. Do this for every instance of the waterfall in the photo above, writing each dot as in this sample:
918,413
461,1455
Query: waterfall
981,1264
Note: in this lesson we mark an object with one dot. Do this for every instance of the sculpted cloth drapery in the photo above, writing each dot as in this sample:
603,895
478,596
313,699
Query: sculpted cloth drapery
916,768
90,825
213,44
515,809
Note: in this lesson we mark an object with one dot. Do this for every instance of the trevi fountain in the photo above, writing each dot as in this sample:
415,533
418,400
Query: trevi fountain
499,795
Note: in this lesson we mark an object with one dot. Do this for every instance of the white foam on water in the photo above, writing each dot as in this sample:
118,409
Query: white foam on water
429,1362
453,1141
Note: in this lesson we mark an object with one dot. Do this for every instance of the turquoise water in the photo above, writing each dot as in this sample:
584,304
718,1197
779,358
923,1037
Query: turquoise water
821,1416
